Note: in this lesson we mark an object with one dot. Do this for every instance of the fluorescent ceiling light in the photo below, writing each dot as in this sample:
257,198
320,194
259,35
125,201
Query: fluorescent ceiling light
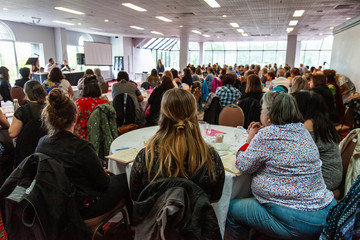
245,34
293,22
181,26
224,16
234,24
69,10
65,23
289,29
5,9
134,7
331,28
196,31
240,30
218,37
266,36
205,35
137,28
212,3
106,20
298,13
158,33
348,18
320,34
164,19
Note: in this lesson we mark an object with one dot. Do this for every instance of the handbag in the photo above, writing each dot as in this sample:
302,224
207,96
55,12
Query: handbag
127,128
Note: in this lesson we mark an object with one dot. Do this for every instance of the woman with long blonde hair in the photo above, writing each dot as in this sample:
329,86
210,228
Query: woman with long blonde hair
178,150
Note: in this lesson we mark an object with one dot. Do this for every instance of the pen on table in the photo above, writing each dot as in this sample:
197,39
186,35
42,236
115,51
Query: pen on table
119,149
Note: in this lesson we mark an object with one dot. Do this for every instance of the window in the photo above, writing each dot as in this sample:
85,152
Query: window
85,38
316,52
193,54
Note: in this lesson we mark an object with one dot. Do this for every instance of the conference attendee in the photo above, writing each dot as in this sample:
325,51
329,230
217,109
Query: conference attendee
5,84
199,74
86,104
155,100
25,76
99,77
160,67
125,86
209,77
264,76
290,200
187,77
176,78
153,79
318,84
243,80
194,76
280,80
35,67
336,92
26,124
347,87
80,83
270,76
58,78
231,71
317,122
178,150
96,192
299,83
50,65
42,70
228,94
65,66
293,73
253,88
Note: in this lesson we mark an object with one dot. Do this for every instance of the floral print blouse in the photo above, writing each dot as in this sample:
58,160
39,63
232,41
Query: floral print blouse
286,168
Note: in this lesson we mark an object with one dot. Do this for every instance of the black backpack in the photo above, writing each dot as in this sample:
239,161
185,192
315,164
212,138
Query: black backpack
125,109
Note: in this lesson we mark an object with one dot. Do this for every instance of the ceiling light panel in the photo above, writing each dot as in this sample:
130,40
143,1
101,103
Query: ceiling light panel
240,30
69,10
289,29
164,19
64,23
298,13
212,3
196,31
134,7
137,28
293,22
157,33
235,25
245,35
206,35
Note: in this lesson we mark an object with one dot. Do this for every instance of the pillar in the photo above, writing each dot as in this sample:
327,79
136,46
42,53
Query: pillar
292,51
184,51
60,45
201,53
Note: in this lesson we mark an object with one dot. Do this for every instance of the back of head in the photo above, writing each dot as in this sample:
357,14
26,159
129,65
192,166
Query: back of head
330,74
295,71
50,60
166,83
248,73
271,74
178,138
168,73
281,73
228,79
59,113
122,75
91,87
153,72
253,84
198,71
209,69
318,78
34,91
264,71
174,73
187,73
192,68
4,72
97,72
88,72
230,68
281,107
56,75
25,72
299,83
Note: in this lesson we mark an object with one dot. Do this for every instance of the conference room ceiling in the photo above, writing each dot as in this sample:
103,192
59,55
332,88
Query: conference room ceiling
260,19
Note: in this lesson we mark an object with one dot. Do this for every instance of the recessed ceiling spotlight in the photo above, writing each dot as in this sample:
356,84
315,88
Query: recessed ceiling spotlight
196,31
218,37
298,13
205,35
240,30
348,18
137,28
224,16
212,3
290,29
157,33
245,35
266,36
106,20
61,22
181,26
331,28
163,19
234,24
69,10
293,22
134,7
5,9
320,34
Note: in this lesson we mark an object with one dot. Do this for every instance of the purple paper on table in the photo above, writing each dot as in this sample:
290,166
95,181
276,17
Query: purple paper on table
213,132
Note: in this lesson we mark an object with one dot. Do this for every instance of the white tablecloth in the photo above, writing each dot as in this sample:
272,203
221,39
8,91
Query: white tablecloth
234,186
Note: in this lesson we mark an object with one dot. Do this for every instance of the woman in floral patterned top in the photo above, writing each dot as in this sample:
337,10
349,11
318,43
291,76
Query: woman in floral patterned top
86,105
290,196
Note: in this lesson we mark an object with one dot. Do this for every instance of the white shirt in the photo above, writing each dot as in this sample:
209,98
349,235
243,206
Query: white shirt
49,65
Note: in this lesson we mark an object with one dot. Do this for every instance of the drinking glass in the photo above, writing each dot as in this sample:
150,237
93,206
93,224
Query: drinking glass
208,130
202,126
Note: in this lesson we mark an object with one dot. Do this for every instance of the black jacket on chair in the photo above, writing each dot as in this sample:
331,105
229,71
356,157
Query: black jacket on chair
174,208
212,109
38,202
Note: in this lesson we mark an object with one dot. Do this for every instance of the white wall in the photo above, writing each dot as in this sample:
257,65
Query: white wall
345,57
73,38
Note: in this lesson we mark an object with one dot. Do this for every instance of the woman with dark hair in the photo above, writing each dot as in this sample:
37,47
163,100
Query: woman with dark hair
56,76
290,200
323,132
176,78
155,100
336,92
5,84
153,79
187,77
253,88
228,94
86,104
96,192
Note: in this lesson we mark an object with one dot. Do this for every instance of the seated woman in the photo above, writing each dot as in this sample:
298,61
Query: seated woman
153,79
336,92
155,100
299,83
26,123
178,150
253,88
57,77
96,191
86,105
291,200
323,132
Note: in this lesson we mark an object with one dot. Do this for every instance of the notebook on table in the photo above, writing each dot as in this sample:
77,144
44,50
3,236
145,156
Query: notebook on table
124,156
229,164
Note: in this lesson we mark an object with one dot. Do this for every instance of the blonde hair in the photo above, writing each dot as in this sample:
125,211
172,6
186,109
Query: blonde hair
178,139
299,83
167,73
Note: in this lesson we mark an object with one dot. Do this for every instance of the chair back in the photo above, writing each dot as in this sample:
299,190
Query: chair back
125,109
232,115
18,93
252,110
105,87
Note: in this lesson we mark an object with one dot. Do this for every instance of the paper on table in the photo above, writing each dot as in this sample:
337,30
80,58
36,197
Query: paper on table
229,164
213,132
124,156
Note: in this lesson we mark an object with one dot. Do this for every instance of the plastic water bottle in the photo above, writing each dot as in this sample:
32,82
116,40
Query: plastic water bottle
16,104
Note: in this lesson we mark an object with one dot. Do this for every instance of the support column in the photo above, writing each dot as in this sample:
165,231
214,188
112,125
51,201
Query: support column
201,53
292,51
184,51
60,45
